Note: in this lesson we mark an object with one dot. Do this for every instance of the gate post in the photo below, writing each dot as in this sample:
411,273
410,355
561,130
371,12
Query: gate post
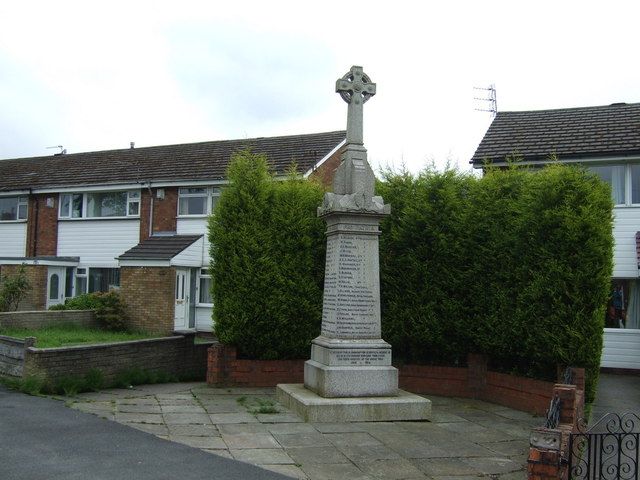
545,459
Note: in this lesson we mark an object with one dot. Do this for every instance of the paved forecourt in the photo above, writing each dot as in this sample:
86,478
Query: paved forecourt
465,438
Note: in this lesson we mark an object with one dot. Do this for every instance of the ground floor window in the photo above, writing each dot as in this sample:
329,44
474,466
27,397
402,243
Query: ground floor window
623,310
204,287
103,279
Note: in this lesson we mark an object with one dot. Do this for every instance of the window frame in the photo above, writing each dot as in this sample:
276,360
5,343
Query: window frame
210,193
21,201
203,274
133,198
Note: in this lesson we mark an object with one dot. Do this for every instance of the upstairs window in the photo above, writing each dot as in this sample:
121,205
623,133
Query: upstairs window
13,208
100,204
614,175
192,201
197,201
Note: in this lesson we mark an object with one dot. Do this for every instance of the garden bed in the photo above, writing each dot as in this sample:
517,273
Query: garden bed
69,335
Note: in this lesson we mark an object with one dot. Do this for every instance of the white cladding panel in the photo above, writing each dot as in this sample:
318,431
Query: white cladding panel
195,226
97,242
625,225
621,348
204,321
190,256
13,239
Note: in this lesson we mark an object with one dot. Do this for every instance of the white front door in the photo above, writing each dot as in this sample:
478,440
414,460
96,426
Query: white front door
56,284
181,316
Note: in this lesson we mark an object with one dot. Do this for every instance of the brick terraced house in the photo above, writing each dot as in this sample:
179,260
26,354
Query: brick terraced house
606,140
133,219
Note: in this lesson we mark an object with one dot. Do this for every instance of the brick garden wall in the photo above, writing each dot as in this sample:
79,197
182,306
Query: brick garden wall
176,355
148,293
474,381
36,298
41,318
12,355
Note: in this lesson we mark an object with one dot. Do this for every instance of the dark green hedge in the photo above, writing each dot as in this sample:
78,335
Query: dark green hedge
515,264
267,247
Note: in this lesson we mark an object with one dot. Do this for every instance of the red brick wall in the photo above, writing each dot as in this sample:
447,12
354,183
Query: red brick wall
42,227
509,390
325,172
225,369
36,298
165,211
148,293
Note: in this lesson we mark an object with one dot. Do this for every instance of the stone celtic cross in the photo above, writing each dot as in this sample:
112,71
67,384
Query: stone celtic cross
355,88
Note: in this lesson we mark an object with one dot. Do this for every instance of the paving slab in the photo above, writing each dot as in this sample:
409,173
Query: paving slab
330,471
464,439
208,443
263,456
393,469
250,440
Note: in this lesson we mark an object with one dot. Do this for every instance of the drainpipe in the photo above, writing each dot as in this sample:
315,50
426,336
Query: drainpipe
34,229
150,209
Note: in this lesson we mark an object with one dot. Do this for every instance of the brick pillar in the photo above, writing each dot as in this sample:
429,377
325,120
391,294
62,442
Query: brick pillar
218,358
477,374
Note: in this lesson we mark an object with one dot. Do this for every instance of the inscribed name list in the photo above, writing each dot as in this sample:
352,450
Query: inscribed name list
351,307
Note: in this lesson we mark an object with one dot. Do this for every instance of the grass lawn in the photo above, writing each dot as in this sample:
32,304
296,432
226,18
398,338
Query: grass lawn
66,335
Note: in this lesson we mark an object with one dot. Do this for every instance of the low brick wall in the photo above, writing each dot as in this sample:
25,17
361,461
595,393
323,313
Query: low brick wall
177,355
223,368
43,318
12,352
473,381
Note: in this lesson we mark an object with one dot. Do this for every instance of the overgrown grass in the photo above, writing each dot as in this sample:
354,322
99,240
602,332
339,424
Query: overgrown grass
67,335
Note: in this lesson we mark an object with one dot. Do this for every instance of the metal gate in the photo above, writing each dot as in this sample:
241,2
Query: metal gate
608,450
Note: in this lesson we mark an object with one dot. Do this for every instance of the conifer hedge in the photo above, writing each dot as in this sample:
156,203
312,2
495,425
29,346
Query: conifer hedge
515,265
267,250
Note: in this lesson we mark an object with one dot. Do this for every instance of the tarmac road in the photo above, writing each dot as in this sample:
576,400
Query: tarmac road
42,439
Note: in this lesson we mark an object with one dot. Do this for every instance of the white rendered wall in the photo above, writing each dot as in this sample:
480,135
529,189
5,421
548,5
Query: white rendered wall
13,239
625,225
195,226
97,242
190,256
621,348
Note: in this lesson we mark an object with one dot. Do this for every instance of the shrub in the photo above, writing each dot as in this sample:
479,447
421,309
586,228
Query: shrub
109,307
267,247
13,288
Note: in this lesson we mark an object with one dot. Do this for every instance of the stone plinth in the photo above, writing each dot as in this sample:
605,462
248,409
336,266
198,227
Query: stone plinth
349,359
404,406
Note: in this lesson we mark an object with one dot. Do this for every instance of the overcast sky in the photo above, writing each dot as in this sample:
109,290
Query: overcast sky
97,75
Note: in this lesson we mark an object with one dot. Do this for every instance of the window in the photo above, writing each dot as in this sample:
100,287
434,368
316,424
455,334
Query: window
197,201
614,175
192,201
635,184
204,287
100,204
103,279
623,309
81,281
13,208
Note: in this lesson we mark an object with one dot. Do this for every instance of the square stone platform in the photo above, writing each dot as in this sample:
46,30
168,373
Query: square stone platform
314,408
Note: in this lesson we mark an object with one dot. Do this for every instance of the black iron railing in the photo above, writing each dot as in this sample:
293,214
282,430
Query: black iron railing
608,450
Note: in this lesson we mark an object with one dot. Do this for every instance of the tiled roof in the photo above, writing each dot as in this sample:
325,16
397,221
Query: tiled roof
159,248
190,161
570,133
